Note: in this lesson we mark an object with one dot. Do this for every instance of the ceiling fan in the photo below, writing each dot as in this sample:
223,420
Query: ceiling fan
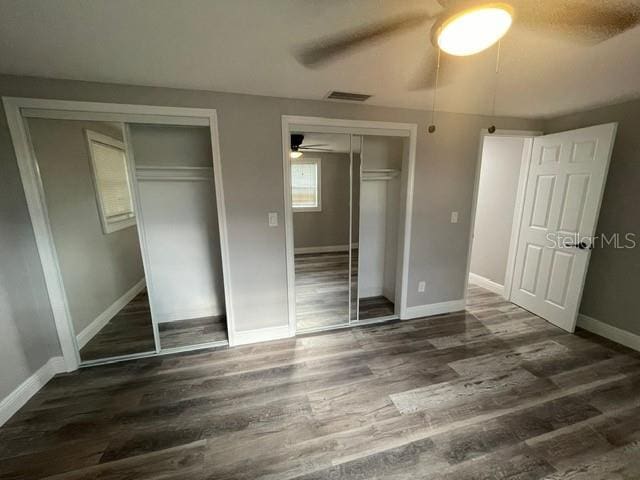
467,27
297,149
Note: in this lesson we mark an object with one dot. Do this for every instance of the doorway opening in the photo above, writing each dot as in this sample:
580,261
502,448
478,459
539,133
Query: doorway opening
551,233
500,181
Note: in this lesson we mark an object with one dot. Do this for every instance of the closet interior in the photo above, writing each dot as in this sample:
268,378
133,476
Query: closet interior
346,199
133,214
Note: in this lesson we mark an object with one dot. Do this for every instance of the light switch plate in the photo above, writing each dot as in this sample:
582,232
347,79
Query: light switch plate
454,217
422,286
273,219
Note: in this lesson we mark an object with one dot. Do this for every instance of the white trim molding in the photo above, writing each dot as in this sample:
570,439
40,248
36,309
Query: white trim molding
605,330
434,309
487,284
101,320
262,335
27,389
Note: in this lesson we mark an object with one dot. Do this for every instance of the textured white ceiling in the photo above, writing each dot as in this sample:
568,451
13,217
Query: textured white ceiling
248,46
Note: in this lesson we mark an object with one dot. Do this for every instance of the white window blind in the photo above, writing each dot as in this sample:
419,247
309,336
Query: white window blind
111,178
305,184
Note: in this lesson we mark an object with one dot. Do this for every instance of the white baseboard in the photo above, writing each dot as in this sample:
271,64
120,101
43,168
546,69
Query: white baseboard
260,335
486,283
605,330
327,249
165,317
101,320
27,389
434,309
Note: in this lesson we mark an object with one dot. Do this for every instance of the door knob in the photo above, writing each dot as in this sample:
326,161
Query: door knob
581,245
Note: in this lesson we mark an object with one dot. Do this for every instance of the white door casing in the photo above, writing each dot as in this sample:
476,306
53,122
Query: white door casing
562,201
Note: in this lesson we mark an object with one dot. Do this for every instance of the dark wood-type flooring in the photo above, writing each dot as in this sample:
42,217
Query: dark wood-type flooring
322,291
491,393
183,333
375,307
129,331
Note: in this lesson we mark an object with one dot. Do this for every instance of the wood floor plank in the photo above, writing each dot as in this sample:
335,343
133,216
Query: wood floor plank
490,393
181,462
129,331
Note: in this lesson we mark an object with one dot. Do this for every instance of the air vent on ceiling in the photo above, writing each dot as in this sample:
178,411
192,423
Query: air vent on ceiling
348,97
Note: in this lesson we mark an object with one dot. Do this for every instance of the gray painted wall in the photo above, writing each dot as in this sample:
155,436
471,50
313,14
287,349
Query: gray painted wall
382,151
28,337
612,285
250,141
331,225
97,268
172,146
497,190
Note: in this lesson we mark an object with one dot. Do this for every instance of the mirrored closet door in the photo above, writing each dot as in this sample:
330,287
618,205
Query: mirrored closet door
356,175
320,172
346,193
132,209
83,167
180,233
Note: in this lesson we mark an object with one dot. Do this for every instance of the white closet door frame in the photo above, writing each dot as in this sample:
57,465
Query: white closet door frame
347,127
17,111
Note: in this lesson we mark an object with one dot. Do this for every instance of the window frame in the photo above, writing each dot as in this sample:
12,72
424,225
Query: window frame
116,225
308,161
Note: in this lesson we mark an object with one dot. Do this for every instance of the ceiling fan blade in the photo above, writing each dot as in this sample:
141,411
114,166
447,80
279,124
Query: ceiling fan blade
315,145
585,20
425,77
328,48
315,149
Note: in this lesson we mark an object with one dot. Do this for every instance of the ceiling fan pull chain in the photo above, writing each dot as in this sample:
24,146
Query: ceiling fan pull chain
492,128
432,127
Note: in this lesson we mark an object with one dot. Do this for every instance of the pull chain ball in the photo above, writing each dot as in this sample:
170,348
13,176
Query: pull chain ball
432,128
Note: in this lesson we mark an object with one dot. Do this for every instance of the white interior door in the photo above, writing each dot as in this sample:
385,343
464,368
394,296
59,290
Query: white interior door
561,206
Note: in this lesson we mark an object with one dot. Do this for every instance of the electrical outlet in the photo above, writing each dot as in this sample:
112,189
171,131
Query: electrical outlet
454,217
422,286
273,219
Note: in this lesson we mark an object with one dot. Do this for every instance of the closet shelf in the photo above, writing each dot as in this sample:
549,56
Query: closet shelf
379,174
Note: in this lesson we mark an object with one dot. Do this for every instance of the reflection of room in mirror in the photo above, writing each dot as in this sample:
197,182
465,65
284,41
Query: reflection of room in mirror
321,196
346,198
89,202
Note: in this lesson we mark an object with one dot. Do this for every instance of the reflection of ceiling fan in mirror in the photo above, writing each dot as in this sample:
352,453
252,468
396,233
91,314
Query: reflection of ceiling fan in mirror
297,147
467,27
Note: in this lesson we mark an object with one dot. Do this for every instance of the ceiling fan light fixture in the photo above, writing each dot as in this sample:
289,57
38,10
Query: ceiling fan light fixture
473,29
295,154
